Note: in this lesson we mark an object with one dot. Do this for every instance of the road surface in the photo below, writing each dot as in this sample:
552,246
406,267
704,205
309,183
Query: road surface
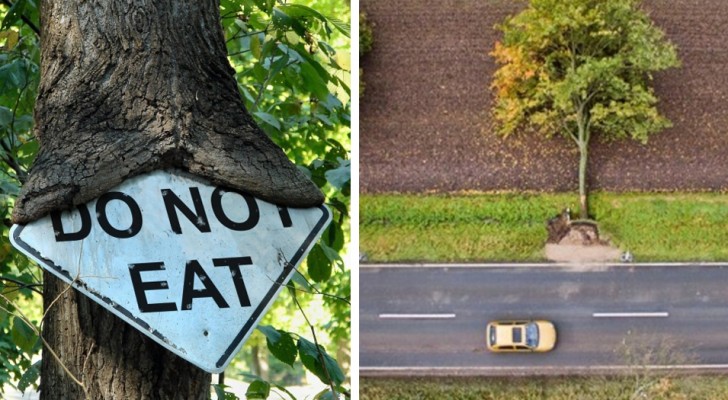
430,320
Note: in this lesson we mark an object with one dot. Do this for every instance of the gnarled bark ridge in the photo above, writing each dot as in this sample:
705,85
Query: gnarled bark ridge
133,86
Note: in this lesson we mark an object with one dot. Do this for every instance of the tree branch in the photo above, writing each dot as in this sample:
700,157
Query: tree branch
23,285
12,163
318,349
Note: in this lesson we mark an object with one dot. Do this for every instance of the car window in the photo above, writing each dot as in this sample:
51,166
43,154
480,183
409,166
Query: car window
532,335
517,334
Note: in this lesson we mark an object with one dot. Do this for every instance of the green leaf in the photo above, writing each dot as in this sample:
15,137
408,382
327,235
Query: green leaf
12,76
258,390
14,14
341,175
311,358
334,236
325,394
283,22
299,279
11,39
313,81
343,27
23,335
6,117
263,5
339,206
3,314
298,10
9,187
268,119
30,377
280,344
319,265
222,394
255,46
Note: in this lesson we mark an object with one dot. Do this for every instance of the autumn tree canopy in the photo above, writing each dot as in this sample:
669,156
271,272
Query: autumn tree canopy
581,68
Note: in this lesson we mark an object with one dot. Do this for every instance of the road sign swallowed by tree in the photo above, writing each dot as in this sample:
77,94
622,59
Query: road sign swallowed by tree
191,265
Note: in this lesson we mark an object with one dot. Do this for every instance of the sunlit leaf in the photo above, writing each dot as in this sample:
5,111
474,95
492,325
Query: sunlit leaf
258,390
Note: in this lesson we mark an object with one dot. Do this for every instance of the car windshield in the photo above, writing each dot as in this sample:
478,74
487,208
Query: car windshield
532,335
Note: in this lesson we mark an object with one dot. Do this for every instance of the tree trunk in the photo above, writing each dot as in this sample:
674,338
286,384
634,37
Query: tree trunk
110,358
583,209
129,87
582,122
134,86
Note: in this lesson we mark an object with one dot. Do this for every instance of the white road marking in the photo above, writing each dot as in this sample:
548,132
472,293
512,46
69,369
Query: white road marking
661,314
416,316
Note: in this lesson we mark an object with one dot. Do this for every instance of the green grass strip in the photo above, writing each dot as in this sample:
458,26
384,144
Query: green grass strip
512,227
557,388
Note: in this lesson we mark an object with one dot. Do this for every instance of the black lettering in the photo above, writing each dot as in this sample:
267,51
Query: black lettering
234,264
253,211
140,287
60,233
194,268
198,217
285,217
136,215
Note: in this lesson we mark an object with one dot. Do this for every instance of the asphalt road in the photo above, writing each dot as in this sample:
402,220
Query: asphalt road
431,319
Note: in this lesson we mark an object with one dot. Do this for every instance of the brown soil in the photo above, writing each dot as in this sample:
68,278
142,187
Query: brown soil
425,122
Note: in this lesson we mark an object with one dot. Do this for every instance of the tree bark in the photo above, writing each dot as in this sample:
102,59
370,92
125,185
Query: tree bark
134,86
129,87
110,358
583,143
583,206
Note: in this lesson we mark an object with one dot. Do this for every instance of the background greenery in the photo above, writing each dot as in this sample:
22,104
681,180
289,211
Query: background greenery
512,227
292,63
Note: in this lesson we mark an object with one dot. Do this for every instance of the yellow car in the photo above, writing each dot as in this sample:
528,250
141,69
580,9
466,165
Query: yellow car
525,336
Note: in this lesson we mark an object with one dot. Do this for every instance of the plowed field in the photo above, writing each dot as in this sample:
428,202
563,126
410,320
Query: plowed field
425,122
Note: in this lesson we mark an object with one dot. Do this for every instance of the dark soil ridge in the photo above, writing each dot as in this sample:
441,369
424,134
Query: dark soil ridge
425,122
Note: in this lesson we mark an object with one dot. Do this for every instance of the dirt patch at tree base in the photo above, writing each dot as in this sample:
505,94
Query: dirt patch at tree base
576,253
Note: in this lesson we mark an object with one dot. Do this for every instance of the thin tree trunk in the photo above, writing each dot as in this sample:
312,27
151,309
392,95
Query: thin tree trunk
129,87
583,206
583,143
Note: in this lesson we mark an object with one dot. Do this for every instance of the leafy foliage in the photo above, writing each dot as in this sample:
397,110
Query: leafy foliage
366,42
19,55
292,64
579,67
366,34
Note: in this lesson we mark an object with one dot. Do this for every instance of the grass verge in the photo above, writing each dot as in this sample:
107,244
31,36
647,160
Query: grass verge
556,388
511,227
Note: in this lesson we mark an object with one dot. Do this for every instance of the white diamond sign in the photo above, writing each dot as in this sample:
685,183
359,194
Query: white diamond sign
192,265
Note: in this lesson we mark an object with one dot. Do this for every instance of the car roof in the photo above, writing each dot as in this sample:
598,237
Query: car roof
509,335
